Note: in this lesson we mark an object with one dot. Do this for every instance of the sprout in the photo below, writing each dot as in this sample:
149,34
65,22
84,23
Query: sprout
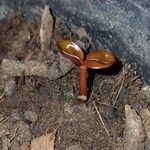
100,59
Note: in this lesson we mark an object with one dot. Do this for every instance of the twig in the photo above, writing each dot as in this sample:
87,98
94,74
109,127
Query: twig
16,129
28,56
108,105
100,117
1,119
2,97
135,78
121,86
115,92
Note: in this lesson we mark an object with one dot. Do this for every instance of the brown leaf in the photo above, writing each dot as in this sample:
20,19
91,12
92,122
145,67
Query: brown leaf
45,142
99,59
71,50
46,28
96,65
101,56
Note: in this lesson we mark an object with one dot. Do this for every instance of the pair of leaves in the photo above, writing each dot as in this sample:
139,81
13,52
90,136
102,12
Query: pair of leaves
95,59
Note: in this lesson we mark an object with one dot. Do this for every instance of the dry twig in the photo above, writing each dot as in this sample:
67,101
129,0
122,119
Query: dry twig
101,119
115,92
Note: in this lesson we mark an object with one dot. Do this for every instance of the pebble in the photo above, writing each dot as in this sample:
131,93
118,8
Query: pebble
146,90
31,116
81,32
68,109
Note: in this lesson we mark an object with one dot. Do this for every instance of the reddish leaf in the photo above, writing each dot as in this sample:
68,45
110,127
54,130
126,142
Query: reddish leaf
102,56
96,64
72,51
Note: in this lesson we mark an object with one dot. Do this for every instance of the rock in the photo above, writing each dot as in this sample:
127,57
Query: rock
146,90
31,116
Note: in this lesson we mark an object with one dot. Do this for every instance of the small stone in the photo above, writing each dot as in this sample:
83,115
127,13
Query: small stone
75,147
146,90
81,32
31,116
68,108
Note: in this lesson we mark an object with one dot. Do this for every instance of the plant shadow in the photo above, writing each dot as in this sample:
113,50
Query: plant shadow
113,70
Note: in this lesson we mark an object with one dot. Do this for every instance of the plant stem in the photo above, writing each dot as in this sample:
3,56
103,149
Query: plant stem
83,82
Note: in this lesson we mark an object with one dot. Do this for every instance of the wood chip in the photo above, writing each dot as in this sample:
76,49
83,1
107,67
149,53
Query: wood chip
134,132
45,142
145,115
46,28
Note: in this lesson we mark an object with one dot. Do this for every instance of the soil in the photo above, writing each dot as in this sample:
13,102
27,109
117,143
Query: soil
31,106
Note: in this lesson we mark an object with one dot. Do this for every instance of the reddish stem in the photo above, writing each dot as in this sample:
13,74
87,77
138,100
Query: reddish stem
83,82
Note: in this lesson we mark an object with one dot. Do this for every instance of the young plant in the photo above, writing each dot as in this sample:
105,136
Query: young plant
95,60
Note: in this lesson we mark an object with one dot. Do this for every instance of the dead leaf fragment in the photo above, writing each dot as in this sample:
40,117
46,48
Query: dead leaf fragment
134,132
46,28
45,142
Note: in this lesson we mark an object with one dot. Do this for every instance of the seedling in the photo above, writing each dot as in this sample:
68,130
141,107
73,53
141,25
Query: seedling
100,59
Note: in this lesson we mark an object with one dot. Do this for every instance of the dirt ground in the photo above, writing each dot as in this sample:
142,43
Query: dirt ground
33,105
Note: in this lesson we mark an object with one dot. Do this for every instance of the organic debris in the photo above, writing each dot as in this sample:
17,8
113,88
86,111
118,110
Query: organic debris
46,30
45,142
